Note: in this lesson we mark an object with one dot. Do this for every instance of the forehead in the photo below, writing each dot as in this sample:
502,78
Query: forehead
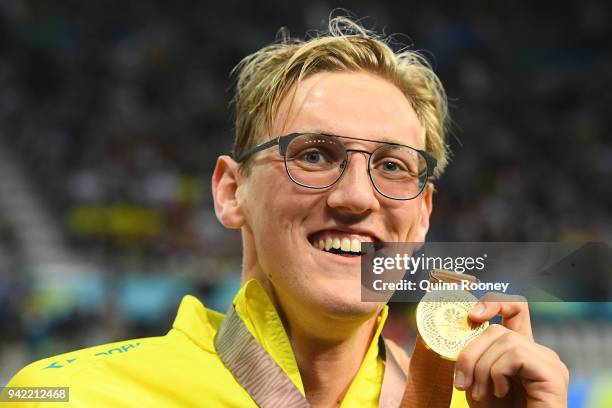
356,104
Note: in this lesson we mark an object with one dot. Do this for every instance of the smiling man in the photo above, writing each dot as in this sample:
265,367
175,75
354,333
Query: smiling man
338,140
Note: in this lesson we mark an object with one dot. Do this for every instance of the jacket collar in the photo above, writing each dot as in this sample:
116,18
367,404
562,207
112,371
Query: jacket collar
259,315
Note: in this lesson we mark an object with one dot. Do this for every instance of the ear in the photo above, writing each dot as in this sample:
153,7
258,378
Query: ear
225,182
425,209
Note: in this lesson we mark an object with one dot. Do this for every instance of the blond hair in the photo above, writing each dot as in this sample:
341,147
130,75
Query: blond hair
264,78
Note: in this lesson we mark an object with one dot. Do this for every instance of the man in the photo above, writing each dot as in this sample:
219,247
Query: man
338,141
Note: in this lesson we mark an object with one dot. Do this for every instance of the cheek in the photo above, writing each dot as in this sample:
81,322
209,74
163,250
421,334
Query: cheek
278,225
276,207
403,220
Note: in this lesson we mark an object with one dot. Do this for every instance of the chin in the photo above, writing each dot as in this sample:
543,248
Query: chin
343,299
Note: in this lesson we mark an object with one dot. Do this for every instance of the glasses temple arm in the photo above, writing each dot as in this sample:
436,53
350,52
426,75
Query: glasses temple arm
431,162
242,156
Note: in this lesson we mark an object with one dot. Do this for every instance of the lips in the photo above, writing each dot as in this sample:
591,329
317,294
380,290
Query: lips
346,243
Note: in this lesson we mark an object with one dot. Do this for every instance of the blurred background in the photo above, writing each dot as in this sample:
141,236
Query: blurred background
112,114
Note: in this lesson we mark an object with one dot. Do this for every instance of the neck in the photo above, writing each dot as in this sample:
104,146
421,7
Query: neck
329,349
329,365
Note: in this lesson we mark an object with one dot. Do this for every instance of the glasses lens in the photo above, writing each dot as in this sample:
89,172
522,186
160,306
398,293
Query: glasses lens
315,160
398,171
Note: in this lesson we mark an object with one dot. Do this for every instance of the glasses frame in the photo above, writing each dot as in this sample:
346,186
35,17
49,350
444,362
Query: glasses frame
284,141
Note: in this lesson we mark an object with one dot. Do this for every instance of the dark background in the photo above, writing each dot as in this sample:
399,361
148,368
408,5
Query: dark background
112,114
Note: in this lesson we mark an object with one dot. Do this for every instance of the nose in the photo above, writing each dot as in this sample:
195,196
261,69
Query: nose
354,192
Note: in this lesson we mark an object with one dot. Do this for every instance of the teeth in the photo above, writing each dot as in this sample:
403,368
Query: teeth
328,244
345,244
336,243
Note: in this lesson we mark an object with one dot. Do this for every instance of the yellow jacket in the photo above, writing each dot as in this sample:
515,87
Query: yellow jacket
182,368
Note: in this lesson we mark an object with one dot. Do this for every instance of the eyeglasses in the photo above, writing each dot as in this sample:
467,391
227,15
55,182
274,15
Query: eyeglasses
318,161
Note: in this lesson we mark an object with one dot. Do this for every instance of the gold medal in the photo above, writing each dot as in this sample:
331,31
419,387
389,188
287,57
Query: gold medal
442,321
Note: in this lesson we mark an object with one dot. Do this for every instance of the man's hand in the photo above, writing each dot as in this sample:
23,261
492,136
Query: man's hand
505,367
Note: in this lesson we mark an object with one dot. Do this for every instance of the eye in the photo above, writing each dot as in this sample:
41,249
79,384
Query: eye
390,166
312,157
316,157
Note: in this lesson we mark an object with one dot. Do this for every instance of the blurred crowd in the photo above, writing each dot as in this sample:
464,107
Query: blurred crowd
117,111
119,116
9,322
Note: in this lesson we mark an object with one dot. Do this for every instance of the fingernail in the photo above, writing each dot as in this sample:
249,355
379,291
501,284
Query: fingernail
475,392
459,380
478,309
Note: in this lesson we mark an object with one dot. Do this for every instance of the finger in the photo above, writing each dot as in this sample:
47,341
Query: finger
541,379
490,379
552,358
523,361
513,309
502,372
501,385
469,356
482,370
547,354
